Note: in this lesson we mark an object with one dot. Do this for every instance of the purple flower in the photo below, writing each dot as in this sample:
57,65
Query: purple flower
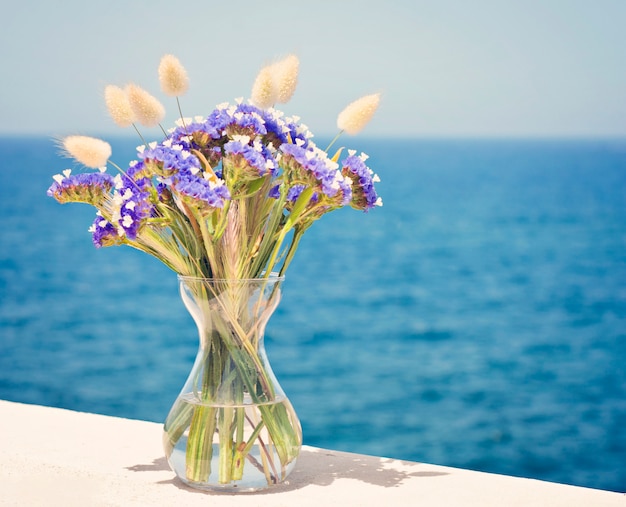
274,192
133,199
276,130
251,161
104,233
200,193
298,133
165,160
364,193
216,123
135,209
313,166
91,188
294,192
227,120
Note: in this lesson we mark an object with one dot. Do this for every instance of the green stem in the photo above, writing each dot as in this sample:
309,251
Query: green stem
275,252
180,111
226,444
139,134
298,232
200,443
333,141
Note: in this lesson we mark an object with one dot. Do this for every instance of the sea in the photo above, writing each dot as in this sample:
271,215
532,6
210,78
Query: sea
476,320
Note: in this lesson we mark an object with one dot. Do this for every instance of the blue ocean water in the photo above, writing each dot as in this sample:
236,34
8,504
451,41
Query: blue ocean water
477,320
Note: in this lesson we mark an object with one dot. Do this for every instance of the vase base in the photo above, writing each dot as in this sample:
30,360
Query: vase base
228,488
254,478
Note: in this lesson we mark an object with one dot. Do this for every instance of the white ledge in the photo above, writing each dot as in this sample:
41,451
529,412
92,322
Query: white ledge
54,457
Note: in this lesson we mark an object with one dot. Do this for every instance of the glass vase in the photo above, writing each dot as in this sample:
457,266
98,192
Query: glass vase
231,428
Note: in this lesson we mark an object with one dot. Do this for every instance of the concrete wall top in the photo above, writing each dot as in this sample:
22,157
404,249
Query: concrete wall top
55,457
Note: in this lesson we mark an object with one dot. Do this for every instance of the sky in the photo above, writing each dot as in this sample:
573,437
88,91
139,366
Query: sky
445,68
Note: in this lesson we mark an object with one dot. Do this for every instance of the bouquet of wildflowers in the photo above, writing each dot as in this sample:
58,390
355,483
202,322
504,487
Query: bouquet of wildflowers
226,197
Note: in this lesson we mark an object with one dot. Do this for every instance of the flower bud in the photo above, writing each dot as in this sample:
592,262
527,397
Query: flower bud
89,151
118,105
358,113
173,76
147,109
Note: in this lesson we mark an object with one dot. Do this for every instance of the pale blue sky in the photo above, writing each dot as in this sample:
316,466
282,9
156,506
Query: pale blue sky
445,67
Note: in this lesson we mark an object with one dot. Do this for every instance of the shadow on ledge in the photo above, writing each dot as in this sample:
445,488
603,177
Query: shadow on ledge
321,467
158,465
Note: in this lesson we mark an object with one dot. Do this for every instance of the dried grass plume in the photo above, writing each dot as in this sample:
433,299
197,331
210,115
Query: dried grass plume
276,83
173,76
89,151
358,113
263,95
286,78
147,109
118,106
